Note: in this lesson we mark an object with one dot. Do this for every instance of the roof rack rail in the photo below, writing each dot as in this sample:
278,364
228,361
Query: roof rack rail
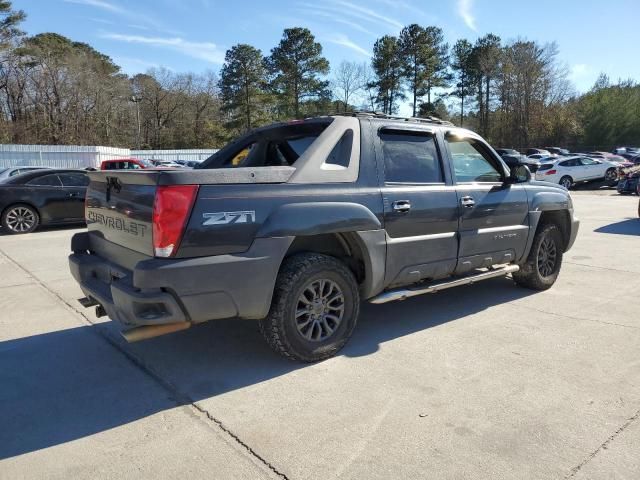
374,114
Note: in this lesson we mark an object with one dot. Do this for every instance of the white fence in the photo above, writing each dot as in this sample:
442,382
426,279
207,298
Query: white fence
188,154
71,156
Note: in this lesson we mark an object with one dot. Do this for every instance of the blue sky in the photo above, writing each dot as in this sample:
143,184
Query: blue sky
192,35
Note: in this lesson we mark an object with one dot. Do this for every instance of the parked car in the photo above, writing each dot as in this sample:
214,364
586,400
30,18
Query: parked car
166,164
42,197
318,215
513,159
608,156
568,171
537,151
629,179
125,164
541,157
561,152
9,172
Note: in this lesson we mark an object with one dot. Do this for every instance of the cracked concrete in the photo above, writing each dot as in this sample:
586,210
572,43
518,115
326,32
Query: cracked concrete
486,381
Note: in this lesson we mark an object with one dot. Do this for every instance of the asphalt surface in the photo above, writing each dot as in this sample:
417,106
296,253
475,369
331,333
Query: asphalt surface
485,381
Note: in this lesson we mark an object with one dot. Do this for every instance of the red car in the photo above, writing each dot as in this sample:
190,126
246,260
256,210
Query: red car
125,164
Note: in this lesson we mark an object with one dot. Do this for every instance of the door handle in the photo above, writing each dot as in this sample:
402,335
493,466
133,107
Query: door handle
467,202
401,206
73,194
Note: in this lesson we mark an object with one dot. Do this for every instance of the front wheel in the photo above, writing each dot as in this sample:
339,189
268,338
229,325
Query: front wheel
542,267
20,219
314,309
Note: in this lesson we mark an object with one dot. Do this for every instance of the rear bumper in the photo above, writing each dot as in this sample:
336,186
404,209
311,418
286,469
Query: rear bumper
163,291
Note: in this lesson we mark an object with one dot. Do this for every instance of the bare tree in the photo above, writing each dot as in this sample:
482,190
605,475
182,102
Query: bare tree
348,81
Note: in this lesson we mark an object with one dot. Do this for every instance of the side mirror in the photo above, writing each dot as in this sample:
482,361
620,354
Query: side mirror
520,174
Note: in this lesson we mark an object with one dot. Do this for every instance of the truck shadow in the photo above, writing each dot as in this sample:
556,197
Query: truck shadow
66,385
625,227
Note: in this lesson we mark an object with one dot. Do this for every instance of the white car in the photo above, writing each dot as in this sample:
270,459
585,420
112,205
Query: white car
570,170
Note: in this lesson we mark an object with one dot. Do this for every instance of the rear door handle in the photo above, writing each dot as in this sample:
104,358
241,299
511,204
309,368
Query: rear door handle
401,206
467,202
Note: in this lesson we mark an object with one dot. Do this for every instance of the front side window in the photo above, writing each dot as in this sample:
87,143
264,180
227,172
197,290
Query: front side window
46,181
588,161
472,163
410,157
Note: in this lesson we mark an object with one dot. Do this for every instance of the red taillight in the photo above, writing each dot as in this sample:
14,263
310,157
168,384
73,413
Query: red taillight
551,172
171,210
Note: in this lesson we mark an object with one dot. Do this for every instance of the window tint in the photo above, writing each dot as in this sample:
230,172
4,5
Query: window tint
74,179
50,180
341,153
410,158
570,163
546,166
471,163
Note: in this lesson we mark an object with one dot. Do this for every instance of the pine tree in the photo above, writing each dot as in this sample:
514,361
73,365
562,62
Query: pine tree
243,79
296,64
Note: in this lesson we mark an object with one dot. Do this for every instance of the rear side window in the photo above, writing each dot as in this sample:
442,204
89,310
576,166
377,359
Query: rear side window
74,179
50,180
570,163
341,154
472,163
410,157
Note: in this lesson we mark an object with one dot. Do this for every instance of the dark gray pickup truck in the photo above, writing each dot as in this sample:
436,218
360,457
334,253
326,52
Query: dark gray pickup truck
295,223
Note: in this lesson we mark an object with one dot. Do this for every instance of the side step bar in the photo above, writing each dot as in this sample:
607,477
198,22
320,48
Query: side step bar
404,293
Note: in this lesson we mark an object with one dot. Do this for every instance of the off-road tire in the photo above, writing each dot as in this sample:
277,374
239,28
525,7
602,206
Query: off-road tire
10,223
529,275
279,327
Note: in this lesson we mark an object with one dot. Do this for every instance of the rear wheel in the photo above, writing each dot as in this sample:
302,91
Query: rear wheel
314,309
544,261
611,175
566,182
20,219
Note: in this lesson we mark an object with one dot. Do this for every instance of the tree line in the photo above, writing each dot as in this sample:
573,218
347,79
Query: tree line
54,90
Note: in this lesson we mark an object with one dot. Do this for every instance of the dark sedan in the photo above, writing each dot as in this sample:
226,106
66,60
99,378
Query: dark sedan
42,197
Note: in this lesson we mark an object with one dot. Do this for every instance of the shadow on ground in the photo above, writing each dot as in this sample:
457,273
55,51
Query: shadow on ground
65,385
51,228
625,227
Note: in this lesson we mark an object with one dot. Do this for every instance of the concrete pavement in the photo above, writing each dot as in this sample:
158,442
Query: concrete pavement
484,381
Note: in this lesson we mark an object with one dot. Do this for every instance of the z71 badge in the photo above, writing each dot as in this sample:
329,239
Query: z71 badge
225,218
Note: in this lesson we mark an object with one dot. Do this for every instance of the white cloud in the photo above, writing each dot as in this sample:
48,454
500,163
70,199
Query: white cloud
202,50
104,5
340,39
314,11
579,70
464,10
347,8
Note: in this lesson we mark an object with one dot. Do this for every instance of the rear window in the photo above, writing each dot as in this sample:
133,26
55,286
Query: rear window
276,146
50,180
546,166
410,157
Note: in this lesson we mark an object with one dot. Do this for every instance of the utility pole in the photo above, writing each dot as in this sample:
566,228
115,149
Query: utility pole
135,99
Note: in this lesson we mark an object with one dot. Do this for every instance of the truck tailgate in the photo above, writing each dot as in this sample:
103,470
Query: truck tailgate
119,204
119,208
